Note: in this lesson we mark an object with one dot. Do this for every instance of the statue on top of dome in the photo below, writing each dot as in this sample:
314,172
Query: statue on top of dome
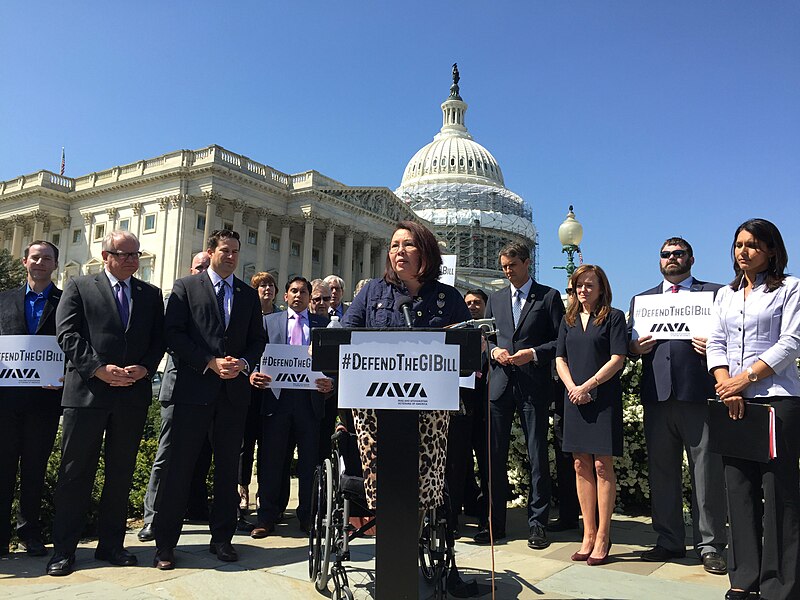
454,91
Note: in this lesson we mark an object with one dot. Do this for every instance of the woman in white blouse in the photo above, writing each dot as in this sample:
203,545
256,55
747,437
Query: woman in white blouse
752,353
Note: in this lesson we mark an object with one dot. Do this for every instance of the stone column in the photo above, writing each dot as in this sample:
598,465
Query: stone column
283,263
327,264
308,242
238,211
39,220
65,242
382,259
16,239
347,264
366,258
261,247
136,226
112,219
211,201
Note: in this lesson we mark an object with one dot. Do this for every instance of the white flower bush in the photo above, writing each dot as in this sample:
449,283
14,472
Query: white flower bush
633,488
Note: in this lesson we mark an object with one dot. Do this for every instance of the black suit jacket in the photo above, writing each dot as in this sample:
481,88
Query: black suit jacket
537,328
195,334
276,334
673,367
91,335
12,322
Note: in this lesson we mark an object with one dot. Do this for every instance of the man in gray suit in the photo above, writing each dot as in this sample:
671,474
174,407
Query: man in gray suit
213,327
199,492
110,327
294,413
675,386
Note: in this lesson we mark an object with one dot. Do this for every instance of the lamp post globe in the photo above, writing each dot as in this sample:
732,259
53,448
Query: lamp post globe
570,234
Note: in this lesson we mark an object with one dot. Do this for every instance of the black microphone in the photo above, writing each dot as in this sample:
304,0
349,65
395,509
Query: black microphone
404,303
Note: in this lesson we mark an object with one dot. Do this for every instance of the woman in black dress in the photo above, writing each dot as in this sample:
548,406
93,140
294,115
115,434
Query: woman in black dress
592,345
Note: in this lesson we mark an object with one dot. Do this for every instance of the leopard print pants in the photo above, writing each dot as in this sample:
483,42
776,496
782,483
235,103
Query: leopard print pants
433,426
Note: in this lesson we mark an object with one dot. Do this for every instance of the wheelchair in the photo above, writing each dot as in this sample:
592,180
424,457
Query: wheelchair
334,496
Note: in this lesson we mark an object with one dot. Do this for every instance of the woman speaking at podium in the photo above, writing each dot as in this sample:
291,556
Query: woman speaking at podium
752,352
411,274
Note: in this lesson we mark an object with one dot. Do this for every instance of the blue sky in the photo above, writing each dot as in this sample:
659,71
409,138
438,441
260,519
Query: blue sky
652,118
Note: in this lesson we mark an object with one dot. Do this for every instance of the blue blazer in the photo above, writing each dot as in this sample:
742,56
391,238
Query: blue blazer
276,334
673,367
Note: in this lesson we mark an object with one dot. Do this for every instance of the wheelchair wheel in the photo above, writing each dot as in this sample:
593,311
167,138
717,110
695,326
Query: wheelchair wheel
325,535
426,561
315,530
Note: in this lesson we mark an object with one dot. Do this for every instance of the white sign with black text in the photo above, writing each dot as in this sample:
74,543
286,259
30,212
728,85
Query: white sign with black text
447,273
30,361
289,366
679,316
400,370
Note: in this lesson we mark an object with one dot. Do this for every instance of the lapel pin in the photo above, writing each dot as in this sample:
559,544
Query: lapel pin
238,289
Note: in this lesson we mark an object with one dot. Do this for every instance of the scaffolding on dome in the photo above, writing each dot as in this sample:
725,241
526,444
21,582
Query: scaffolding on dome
475,221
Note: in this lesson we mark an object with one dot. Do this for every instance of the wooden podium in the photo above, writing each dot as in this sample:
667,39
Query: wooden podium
397,541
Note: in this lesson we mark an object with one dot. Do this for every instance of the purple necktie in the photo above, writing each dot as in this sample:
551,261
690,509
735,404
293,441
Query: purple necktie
122,303
296,337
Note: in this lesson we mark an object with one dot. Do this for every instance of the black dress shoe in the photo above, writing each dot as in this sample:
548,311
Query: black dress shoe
538,537
164,560
34,547
738,595
562,525
118,556
244,526
60,565
224,551
482,537
146,533
715,563
661,554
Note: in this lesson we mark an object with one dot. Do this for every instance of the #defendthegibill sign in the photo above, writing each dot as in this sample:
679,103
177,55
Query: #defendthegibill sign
673,316
30,361
400,370
289,366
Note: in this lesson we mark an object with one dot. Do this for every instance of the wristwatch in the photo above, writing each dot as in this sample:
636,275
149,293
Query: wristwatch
752,376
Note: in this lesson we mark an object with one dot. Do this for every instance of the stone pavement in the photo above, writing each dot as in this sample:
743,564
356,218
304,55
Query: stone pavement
276,567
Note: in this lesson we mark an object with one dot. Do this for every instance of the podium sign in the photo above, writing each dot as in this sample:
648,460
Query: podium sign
399,370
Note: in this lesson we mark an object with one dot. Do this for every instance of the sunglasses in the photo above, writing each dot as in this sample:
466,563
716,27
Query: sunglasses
321,299
675,253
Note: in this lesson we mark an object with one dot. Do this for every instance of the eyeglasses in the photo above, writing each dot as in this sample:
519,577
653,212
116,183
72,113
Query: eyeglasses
675,253
321,299
124,255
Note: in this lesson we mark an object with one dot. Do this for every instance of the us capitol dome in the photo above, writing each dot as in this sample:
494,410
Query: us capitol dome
457,185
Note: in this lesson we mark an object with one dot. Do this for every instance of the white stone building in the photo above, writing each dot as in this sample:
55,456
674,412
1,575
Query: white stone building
303,224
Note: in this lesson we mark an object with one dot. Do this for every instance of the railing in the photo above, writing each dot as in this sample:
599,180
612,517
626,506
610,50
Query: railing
177,159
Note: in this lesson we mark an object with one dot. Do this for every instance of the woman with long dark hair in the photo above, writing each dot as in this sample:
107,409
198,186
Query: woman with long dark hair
752,353
592,345
412,270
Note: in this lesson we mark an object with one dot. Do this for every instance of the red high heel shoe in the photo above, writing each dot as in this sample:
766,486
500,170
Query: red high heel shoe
596,562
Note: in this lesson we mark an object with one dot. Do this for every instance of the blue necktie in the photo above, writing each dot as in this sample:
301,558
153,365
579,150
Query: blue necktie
122,303
221,302
516,307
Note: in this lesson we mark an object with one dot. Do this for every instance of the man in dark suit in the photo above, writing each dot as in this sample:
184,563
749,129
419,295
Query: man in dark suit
675,387
528,316
110,327
214,330
338,306
198,496
28,416
291,412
